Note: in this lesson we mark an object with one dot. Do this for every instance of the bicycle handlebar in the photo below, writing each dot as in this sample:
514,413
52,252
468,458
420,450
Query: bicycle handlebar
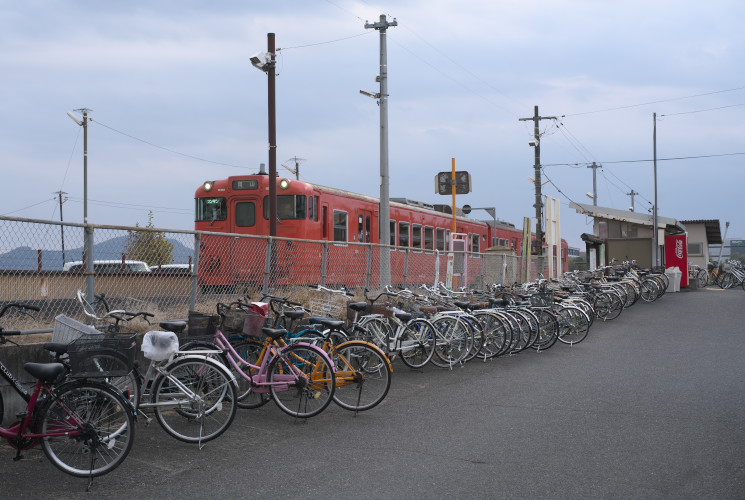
19,306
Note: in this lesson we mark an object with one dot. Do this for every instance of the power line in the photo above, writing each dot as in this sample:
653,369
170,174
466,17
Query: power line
167,149
654,102
702,110
30,206
644,161
324,43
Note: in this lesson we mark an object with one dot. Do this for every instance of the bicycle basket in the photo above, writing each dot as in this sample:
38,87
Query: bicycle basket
202,325
542,299
102,355
67,329
249,319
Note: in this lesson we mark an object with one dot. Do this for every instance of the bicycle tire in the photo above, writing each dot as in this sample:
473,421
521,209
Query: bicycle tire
206,410
451,346
478,337
574,325
301,380
95,423
417,343
495,331
363,375
548,330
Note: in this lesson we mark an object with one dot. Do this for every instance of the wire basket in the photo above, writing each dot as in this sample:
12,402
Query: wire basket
202,325
542,299
247,320
330,307
67,329
102,355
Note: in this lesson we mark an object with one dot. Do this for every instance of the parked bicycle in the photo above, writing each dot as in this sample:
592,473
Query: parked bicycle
85,427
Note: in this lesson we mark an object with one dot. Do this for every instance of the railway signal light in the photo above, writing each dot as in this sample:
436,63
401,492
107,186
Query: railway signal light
444,182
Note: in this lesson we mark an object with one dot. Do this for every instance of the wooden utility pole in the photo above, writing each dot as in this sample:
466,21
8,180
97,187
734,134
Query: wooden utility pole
537,177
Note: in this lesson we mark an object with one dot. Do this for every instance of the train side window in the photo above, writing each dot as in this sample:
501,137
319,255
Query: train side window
313,208
441,239
416,236
429,238
393,233
475,243
447,239
325,222
245,214
403,234
340,225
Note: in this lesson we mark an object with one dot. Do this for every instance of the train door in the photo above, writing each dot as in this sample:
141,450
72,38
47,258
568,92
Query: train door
364,226
244,215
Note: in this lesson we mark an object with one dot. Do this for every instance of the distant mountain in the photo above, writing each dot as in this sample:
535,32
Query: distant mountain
26,258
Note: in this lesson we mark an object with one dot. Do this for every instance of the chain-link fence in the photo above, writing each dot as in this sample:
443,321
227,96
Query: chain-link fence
170,272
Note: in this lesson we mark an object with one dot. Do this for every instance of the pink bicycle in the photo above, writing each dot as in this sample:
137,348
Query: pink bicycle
299,377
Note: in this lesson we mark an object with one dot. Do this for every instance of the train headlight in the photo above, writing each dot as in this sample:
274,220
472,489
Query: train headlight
284,184
208,185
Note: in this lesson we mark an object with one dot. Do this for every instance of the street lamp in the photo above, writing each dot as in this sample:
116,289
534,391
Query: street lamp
266,62
88,242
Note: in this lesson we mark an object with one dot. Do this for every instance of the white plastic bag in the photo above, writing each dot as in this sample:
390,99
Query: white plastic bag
158,345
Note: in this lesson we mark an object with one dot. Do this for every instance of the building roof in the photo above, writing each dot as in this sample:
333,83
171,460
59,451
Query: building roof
643,219
713,231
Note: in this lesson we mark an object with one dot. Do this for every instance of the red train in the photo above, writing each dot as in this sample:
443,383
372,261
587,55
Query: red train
305,211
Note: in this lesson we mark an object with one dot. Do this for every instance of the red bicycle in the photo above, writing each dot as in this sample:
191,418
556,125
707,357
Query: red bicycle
85,427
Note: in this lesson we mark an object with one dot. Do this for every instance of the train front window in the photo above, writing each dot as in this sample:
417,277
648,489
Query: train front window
289,206
211,209
245,214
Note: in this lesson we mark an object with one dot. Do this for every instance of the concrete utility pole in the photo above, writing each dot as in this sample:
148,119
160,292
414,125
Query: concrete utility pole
594,168
297,161
537,177
655,235
272,108
632,194
62,227
385,209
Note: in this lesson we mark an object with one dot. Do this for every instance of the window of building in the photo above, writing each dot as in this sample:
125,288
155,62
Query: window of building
695,249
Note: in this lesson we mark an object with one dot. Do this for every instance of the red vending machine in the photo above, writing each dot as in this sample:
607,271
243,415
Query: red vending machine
676,255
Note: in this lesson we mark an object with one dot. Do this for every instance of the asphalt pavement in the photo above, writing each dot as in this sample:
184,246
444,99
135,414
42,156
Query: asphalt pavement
650,405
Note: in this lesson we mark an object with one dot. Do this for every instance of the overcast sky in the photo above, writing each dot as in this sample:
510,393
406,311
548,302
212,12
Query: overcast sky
176,102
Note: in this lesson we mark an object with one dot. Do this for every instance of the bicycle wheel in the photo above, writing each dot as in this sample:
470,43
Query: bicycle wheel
703,278
495,332
363,375
477,337
417,343
548,330
574,325
195,400
301,380
650,290
91,427
616,305
451,347
376,330
727,280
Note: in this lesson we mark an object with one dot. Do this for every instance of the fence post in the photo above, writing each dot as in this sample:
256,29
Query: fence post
369,265
195,272
89,257
268,265
406,267
324,262
437,267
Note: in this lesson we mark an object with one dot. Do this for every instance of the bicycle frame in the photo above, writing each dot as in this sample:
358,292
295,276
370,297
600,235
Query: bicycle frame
260,380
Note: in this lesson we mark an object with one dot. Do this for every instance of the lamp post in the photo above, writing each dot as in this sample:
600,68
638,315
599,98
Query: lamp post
266,62
88,242
385,211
